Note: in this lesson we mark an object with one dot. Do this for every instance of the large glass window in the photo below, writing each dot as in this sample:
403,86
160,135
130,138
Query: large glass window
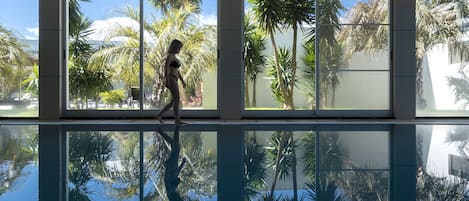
442,56
194,23
345,42
353,59
111,48
104,51
19,58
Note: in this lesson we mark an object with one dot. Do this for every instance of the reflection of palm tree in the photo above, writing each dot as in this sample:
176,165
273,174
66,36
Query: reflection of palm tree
85,151
309,157
254,170
333,155
459,135
16,152
282,156
430,187
328,191
194,177
254,45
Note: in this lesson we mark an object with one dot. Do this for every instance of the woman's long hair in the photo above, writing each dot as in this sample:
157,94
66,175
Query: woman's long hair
174,46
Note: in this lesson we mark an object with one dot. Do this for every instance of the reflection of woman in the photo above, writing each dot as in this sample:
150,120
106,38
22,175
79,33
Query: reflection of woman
172,75
171,175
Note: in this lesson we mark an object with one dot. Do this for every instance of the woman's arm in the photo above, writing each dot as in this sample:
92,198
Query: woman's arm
182,80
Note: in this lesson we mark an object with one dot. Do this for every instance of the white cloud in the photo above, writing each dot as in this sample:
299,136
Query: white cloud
207,19
32,33
103,28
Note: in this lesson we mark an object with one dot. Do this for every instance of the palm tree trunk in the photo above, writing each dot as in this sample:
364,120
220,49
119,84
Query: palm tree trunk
247,104
333,97
419,86
281,82
293,62
254,100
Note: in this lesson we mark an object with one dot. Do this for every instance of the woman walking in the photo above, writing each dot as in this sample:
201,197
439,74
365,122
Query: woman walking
172,75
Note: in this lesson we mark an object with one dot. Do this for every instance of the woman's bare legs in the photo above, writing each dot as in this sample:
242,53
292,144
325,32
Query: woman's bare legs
173,88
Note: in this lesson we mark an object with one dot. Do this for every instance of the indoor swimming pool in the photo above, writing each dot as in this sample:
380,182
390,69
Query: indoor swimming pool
101,162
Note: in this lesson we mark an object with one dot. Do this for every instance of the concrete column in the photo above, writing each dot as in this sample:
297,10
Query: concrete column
50,59
403,59
230,46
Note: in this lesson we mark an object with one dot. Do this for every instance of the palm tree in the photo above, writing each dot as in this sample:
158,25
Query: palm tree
285,58
167,5
295,14
460,87
85,80
437,22
13,60
269,17
198,54
32,82
331,59
254,45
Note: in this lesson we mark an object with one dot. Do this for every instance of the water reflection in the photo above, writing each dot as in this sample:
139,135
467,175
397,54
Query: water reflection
180,165
103,165
442,162
324,162
18,162
281,165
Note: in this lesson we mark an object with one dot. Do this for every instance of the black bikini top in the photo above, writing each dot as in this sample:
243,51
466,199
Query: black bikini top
175,64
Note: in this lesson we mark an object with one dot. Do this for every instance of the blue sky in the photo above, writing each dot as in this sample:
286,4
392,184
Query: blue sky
22,16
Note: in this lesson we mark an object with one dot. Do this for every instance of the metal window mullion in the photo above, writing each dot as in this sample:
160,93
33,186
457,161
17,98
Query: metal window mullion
316,53
140,101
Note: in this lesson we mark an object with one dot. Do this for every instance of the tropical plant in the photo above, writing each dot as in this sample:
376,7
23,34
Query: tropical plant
167,5
85,80
13,63
113,97
198,53
331,54
309,72
32,82
254,59
295,14
269,17
286,70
